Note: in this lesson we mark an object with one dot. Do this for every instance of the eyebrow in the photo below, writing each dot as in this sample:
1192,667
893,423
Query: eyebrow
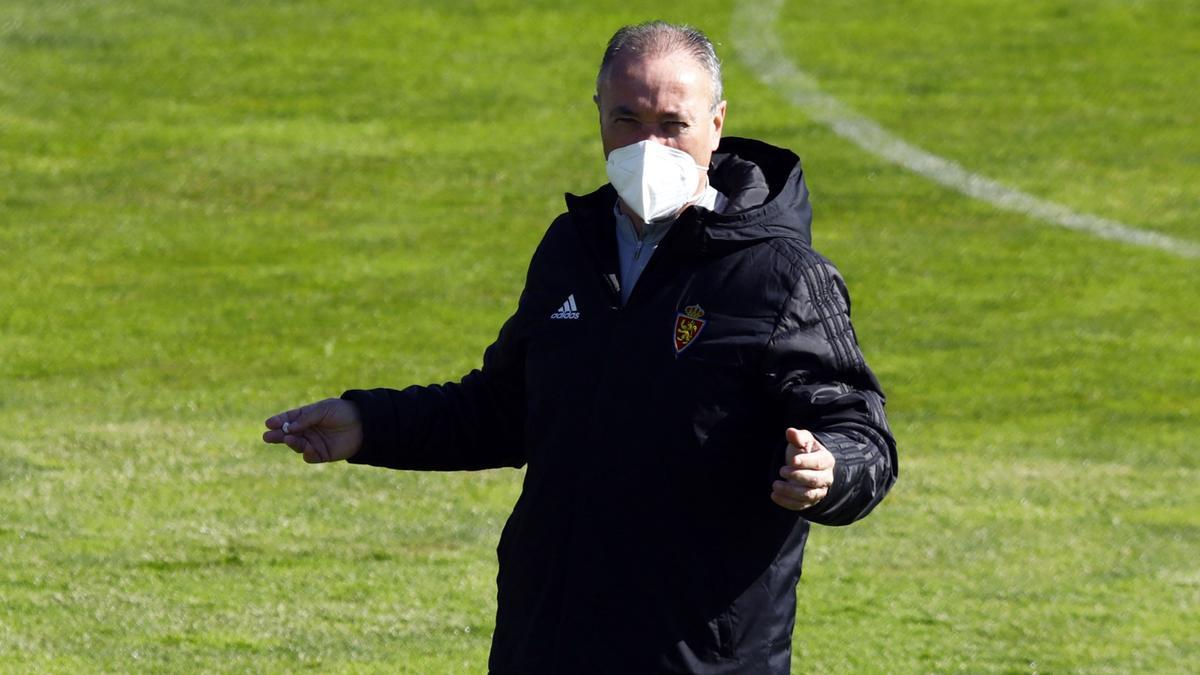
622,110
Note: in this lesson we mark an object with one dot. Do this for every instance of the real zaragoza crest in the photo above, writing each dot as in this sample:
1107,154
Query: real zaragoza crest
688,325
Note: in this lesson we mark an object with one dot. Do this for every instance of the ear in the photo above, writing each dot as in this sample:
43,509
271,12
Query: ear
718,124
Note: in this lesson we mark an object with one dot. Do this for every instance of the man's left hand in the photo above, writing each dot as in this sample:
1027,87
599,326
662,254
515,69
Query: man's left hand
807,472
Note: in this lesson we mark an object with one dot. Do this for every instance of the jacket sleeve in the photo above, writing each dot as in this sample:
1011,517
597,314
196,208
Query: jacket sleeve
821,382
475,423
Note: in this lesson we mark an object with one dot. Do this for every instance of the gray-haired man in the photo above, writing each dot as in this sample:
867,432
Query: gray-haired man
680,380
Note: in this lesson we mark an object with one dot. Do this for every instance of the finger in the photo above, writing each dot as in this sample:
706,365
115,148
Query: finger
789,504
798,492
795,497
308,416
808,479
295,442
316,450
288,417
820,460
801,494
276,421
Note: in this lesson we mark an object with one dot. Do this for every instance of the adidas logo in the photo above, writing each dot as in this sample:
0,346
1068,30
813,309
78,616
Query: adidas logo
568,309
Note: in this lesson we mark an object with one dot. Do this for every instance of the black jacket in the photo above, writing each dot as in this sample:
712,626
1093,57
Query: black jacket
644,539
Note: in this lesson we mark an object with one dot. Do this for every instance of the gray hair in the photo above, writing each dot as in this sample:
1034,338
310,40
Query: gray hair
659,38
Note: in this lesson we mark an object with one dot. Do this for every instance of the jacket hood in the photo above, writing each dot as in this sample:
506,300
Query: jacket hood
765,187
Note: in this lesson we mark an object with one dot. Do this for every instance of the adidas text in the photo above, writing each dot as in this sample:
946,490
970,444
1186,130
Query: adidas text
568,310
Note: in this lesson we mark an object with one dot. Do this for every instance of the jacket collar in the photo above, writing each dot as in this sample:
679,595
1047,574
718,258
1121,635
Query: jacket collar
765,185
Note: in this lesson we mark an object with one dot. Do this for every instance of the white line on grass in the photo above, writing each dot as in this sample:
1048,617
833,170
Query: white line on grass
756,42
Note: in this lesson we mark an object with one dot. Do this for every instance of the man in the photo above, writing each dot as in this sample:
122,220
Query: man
681,382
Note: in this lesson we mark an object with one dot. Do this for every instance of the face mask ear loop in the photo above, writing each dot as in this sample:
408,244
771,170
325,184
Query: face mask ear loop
645,183
704,183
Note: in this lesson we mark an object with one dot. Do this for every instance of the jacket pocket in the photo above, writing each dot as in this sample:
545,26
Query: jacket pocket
722,629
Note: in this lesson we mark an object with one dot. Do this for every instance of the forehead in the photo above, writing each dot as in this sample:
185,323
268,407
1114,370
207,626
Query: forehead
672,81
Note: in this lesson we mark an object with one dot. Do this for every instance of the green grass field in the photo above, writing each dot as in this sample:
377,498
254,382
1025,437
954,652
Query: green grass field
210,212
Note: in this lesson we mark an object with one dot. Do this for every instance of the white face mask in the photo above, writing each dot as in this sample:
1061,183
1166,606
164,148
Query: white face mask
654,180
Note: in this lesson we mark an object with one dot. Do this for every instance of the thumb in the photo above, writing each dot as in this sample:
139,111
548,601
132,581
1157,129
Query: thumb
800,441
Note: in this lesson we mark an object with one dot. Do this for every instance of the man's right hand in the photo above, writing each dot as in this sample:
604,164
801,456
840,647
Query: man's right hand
325,431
